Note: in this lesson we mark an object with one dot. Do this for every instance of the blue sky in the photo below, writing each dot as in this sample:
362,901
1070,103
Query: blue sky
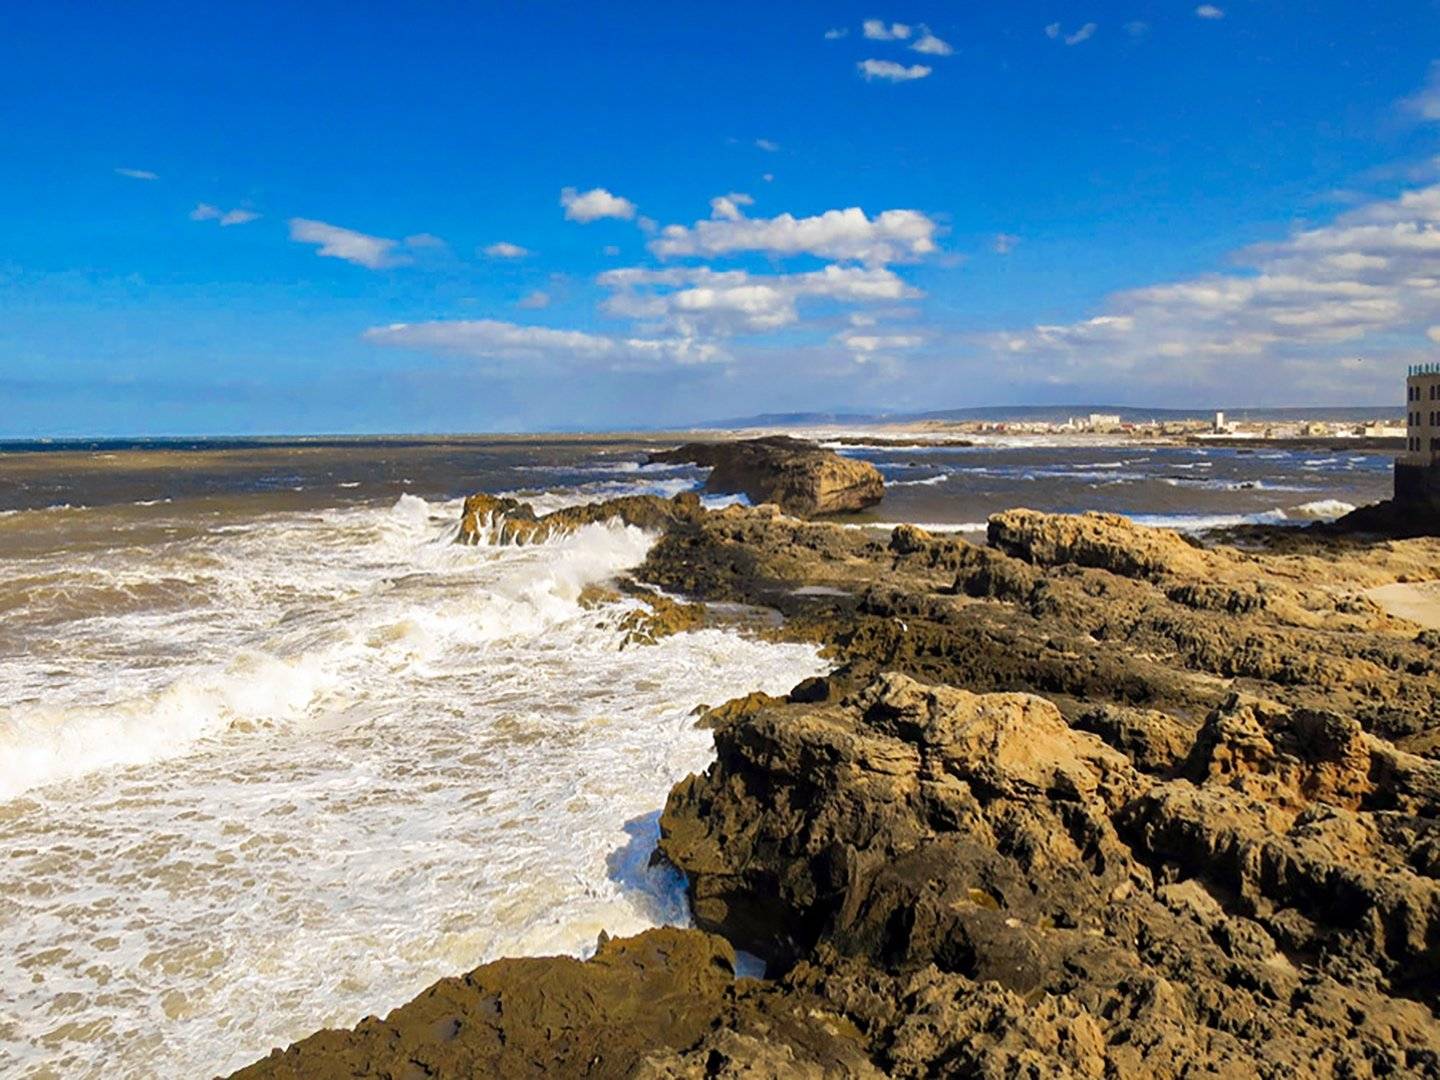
356,218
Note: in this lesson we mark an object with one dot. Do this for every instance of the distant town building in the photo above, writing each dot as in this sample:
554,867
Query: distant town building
1422,419
1104,421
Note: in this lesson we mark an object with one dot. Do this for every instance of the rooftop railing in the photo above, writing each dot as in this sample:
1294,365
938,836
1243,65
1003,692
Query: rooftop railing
1424,369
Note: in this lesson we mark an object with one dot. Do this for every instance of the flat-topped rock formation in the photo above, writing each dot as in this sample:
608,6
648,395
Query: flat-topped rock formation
1092,800
799,477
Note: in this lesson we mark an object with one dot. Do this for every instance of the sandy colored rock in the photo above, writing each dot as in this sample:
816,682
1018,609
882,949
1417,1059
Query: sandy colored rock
1103,541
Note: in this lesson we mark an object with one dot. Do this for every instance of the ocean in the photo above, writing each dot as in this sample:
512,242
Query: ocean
275,753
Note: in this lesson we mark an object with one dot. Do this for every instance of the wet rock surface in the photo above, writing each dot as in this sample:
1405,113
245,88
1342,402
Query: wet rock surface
1092,800
799,477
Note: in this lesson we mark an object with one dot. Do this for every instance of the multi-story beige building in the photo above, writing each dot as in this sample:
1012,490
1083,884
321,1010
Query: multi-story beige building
1422,414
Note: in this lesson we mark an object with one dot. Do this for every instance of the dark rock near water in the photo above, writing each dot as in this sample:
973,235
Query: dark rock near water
799,477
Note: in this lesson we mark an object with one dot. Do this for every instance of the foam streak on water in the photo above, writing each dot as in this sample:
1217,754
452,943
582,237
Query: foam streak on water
273,772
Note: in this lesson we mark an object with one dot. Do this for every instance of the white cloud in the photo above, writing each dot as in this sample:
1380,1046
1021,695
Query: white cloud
206,212
1137,28
1085,33
1005,243
612,249
1052,31
700,302
891,236
767,145
931,45
727,207
534,301
503,249
1209,11
1426,102
137,174
1302,304
876,30
872,343
891,71
423,241
592,205
494,340
835,33
372,252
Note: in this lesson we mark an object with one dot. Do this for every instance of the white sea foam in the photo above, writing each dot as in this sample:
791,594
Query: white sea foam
929,481
1304,514
615,468
287,770
1197,523
1320,510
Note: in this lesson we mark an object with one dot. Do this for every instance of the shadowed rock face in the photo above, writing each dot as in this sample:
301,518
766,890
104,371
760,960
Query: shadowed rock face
1093,801
797,476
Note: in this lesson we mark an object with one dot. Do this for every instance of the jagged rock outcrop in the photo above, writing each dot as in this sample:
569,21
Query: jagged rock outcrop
1202,924
853,792
495,520
1103,541
799,477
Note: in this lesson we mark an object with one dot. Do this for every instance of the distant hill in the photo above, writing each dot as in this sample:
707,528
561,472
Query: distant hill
1059,414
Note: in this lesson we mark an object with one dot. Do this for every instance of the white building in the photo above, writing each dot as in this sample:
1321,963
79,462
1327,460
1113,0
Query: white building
1422,414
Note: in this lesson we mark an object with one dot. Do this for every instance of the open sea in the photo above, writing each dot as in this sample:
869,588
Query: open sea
275,753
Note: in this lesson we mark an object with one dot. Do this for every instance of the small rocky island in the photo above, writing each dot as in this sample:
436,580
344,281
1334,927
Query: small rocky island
800,477
1090,800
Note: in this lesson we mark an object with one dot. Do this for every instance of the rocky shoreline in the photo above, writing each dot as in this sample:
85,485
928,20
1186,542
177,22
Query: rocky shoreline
1090,800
